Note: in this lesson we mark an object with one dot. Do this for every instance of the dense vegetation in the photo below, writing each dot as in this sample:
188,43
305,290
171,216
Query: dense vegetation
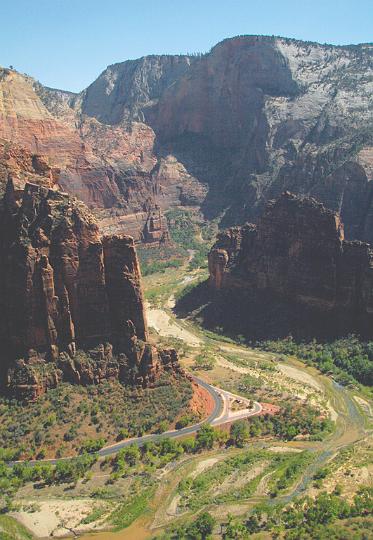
221,485
290,422
328,516
191,238
65,471
205,360
132,508
158,258
184,230
129,460
199,529
71,419
349,360
160,266
214,485
293,419
156,454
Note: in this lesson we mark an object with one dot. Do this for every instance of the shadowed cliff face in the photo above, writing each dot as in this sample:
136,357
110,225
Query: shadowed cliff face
213,118
65,291
222,98
294,272
257,116
228,130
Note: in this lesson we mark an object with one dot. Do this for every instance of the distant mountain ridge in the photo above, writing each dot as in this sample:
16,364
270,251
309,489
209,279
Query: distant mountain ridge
226,130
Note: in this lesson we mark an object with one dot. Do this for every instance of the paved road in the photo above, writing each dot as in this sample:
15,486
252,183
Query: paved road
140,441
220,414
227,415
218,405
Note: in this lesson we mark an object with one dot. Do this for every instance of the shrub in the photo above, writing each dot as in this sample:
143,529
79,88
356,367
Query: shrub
205,361
123,434
92,445
183,421
162,427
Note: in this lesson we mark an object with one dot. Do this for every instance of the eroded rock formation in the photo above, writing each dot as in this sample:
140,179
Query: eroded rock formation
24,166
148,227
71,303
294,272
227,130
254,117
155,230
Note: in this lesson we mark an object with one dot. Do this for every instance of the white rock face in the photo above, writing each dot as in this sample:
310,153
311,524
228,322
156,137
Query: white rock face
253,117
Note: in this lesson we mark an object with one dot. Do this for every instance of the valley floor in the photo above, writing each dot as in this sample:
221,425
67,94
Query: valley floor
225,481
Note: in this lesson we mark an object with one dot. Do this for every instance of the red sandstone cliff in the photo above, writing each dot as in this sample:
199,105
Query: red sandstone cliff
64,290
255,116
227,130
296,257
65,143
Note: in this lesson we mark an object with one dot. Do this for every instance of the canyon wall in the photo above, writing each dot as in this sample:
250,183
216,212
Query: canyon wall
255,116
294,271
227,130
71,301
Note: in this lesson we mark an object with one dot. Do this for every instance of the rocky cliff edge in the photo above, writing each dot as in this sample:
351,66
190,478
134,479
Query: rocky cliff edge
293,269
72,305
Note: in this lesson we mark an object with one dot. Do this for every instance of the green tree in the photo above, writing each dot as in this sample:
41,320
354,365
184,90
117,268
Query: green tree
239,433
205,437
204,361
183,421
162,426
363,502
202,527
188,445
129,454
234,529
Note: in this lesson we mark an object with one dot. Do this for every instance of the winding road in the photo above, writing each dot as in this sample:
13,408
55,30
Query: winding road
173,434
220,414
227,407
350,421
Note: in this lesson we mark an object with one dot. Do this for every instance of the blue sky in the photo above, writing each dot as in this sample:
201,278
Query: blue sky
67,43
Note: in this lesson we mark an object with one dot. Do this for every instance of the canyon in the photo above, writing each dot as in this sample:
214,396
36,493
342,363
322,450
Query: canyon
176,399
225,131
292,273
72,306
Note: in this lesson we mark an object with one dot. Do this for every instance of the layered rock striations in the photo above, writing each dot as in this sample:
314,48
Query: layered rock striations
255,116
72,306
294,272
24,166
148,227
228,130
124,90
